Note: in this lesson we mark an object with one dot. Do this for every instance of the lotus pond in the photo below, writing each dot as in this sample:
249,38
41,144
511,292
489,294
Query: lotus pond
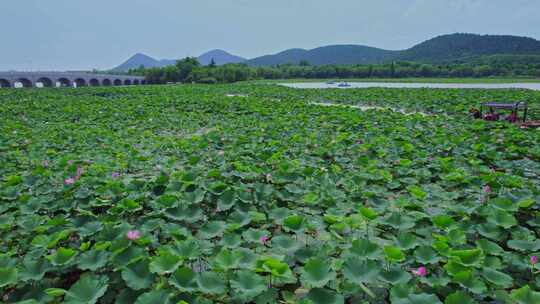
250,193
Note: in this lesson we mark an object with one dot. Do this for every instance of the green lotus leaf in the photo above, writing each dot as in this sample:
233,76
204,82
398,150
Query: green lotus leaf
469,281
490,248
165,263
231,240
502,219
127,256
457,236
279,214
317,273
254,235
311,198
227,200
394,254
55,292
226,260
454,266
190,214
469,257
33,269
127,296
368,213
62,256
41,241
189,249
490,231
443,221
417,192
154,297
184,279
90,228
324,296
426,255
93,260
524,245
293,222
8,276
423,299
248,285
273,266
238,219
285,243
211,283
88,289
525,295
406,241
211,230
504,204
138,276
498,278
399,221
365,249
394,275
459,297
361,271
526,203
195,197
248,258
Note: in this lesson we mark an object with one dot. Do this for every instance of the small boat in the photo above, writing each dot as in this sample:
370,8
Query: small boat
331,82
343,85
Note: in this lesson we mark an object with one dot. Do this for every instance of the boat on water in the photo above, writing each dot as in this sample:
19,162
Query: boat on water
344,85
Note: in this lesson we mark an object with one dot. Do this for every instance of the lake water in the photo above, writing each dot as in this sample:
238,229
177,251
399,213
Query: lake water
322,85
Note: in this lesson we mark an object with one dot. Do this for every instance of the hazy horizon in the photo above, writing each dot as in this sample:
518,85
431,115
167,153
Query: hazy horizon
69,35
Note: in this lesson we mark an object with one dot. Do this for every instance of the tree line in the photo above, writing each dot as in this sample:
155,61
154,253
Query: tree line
189,70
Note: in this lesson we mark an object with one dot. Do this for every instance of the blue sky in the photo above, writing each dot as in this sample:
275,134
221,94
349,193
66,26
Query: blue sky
78,34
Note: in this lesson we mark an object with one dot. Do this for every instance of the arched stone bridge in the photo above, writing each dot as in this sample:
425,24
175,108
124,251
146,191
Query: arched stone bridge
64,79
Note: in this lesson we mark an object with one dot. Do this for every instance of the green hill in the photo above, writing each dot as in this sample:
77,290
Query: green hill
454,47
333,54
441,49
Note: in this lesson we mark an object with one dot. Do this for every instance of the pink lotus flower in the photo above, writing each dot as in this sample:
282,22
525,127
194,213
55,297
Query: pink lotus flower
46,164
221,153
79,172
115,175
69,181
133,235
264,240
421,271
534,260
487,189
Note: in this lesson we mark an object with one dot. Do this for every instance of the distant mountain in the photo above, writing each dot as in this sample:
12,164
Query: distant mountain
446,48
441,49
220,58
136,61
333,54
454,47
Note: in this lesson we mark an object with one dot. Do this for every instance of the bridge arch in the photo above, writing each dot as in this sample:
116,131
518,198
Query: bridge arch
94,82
117,82
127,82
64,82
4,83
136,82
80,82
23,82
45,82
143,82
106,82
